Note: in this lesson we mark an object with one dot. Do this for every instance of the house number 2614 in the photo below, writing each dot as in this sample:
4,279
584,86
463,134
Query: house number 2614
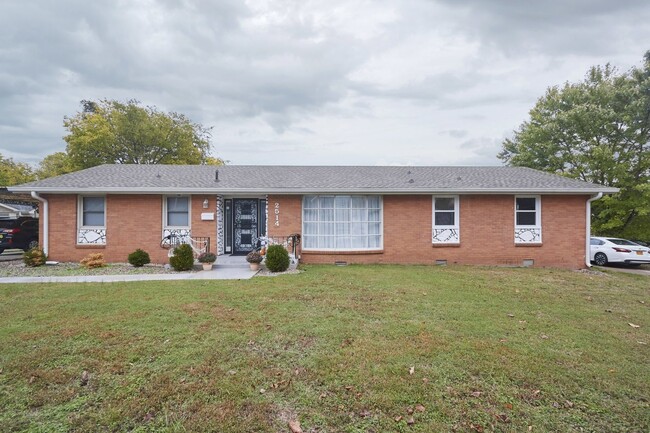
277,215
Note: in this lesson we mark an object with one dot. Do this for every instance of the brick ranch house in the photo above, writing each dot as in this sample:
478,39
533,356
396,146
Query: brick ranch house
468,215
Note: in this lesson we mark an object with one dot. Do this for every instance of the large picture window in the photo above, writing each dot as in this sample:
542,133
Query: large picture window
177,213
342,222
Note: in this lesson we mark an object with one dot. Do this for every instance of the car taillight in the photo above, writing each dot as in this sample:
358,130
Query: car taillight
622,250
12,231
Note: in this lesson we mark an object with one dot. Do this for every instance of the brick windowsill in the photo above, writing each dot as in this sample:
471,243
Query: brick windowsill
89,246
537,244
446,245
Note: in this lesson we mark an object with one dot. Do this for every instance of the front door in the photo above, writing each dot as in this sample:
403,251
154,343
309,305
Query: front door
245,232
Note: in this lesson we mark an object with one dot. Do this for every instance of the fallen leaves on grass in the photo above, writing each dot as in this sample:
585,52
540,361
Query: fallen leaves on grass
476,394
85,377
294,426
420,408
634,326
476,427
411,370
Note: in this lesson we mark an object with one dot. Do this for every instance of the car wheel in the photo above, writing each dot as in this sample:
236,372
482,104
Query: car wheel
32,244
600,259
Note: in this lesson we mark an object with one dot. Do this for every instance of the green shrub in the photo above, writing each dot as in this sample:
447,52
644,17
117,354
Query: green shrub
139,258
34,257
277,258
183,258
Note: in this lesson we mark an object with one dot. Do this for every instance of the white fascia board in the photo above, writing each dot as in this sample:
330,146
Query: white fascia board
302,191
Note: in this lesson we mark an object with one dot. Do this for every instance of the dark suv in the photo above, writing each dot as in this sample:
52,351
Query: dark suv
21,233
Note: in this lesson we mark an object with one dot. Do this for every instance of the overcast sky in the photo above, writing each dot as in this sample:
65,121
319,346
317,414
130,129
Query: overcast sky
430,82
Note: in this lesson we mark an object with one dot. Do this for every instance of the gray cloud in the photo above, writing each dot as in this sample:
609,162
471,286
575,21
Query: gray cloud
378,81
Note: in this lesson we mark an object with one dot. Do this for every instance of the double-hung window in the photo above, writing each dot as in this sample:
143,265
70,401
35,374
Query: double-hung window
446,228
91,221
342,222
177,212
176,217
528,219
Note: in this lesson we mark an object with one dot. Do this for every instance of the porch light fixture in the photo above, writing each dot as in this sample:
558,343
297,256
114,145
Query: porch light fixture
205,203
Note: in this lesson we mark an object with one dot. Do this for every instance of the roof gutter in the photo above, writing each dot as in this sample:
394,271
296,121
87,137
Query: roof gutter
46,224
588,229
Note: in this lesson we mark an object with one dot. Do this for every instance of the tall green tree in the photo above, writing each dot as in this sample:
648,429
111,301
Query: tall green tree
13,173
55,164
109,131
596,130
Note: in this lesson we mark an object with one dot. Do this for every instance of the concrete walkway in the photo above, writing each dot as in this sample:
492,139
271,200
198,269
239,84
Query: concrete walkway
226,268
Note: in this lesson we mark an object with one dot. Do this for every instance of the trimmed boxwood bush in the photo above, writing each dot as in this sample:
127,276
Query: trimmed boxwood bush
183,258
277,258
34,257
139,258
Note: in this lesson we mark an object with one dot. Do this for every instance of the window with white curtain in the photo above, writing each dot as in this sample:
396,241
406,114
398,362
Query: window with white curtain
342,222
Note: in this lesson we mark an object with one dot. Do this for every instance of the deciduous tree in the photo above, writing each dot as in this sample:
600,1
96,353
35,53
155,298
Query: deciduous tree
13,173
109,131
596,130
55,164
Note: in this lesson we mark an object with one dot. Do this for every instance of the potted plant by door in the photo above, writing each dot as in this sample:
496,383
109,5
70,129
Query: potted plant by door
207,259
254,259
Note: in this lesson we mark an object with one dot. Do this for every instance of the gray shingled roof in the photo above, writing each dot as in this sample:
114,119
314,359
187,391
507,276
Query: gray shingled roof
308,179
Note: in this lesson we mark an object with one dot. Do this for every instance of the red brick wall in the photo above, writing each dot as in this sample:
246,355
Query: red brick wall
486,232
289,216
132,221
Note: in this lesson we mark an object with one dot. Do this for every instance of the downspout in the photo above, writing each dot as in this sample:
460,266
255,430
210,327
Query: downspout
46,224
588,225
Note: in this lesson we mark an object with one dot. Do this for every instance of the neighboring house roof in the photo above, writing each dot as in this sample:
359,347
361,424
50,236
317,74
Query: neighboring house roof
15,210
254,179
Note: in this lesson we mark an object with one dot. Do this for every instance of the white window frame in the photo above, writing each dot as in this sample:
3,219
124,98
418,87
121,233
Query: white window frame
455,226
80,211
381,223
189,212
538,216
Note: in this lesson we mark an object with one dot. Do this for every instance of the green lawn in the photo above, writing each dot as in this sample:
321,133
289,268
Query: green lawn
492,349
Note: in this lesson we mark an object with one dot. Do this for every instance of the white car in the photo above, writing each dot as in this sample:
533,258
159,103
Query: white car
613,250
